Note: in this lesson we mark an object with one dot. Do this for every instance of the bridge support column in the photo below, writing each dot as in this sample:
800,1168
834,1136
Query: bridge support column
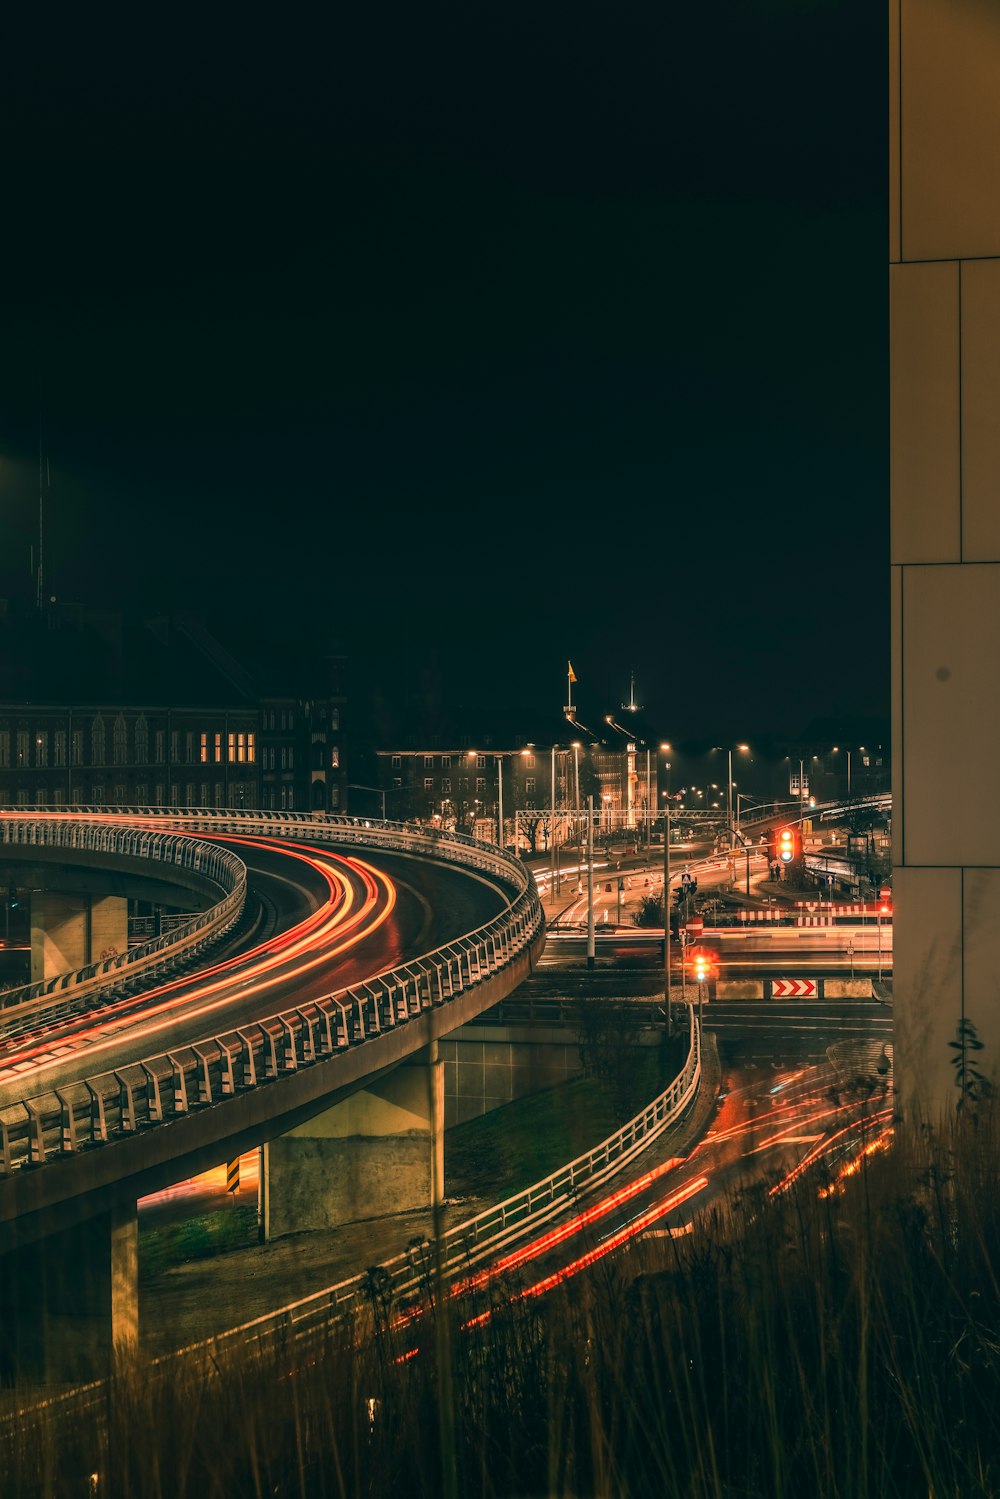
69,930
381,1151
70,1302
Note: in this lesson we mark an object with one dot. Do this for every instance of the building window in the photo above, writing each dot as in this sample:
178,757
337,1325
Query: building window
97,795
119,741
141,740
480,762
4,748
529,790
251,746
22,747
218,748
446,785
97,741
428,783
160,752
335,758
335,719
203,795
203,749
140,794
189,749
41,748
231,748
175,748
120,795
397,762
481,785
445,762
397,782
76,747
428,762
158,795
59,746
241,748
334,798
529,762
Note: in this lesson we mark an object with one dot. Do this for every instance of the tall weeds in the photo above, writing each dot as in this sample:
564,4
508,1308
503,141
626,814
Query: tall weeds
845,1344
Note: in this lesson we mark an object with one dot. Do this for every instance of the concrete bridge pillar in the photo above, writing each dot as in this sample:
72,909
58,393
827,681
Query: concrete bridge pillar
380,1151
70,930
70,1302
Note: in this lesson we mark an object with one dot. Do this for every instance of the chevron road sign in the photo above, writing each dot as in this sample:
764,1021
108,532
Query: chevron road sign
793,989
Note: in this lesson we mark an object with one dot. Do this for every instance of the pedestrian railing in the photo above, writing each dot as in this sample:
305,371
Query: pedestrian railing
153,1090
71,993
477,1240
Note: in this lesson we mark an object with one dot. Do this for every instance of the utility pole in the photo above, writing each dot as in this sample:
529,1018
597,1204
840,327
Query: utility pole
590,882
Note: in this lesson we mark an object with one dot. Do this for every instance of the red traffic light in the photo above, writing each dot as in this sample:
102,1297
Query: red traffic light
703,963
786,843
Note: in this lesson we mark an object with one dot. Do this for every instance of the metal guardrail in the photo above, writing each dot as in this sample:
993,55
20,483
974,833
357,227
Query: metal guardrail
468,1244
73,992
154,1090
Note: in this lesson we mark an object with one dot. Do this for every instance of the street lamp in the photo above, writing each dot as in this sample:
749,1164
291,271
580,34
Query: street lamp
667,979
729,801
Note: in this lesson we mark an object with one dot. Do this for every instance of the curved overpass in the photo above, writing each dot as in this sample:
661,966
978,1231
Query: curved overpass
383,939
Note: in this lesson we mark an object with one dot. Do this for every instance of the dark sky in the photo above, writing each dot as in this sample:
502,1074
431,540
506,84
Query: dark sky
477,337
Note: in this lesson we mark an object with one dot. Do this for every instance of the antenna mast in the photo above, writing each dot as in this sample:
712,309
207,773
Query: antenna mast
42,473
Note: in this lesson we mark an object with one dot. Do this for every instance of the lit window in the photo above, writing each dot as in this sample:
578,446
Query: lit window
203,750
428,783
231,748
251,746
446,785
218,748
335,757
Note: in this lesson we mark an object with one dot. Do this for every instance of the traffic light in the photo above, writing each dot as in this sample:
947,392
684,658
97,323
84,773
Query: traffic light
787,843
680,895
703,964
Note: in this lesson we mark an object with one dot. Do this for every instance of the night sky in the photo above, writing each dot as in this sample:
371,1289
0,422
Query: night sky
473,338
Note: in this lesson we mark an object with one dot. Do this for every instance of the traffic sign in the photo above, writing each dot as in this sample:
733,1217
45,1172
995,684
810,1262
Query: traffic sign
794,988
695,925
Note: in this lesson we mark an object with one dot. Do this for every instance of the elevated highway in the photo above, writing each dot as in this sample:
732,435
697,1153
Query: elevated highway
381,940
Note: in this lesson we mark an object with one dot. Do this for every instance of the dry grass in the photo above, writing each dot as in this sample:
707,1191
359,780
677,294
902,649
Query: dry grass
846,1345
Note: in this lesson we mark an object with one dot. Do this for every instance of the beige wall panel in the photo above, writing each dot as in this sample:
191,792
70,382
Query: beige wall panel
950,686
949,143
924,457
981,410
927,990
981,964
894,130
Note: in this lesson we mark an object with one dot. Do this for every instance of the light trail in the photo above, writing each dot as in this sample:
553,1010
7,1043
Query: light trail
307,945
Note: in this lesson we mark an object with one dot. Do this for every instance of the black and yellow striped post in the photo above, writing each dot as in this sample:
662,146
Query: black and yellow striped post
233,1175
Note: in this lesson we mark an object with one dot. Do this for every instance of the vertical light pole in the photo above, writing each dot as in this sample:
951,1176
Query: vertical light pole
649,811
576,788
552,828
500,801
668,993
590,881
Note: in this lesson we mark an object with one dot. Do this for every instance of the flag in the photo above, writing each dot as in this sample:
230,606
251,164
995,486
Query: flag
572,673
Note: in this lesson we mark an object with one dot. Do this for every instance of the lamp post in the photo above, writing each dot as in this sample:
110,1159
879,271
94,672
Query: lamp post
500,801
836,751
729,781
576,788
590,882
667,978
552,826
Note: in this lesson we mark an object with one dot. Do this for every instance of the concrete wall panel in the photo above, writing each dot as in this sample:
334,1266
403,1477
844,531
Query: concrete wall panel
925,513
949,144
927,987
950,686
981,964
981,410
